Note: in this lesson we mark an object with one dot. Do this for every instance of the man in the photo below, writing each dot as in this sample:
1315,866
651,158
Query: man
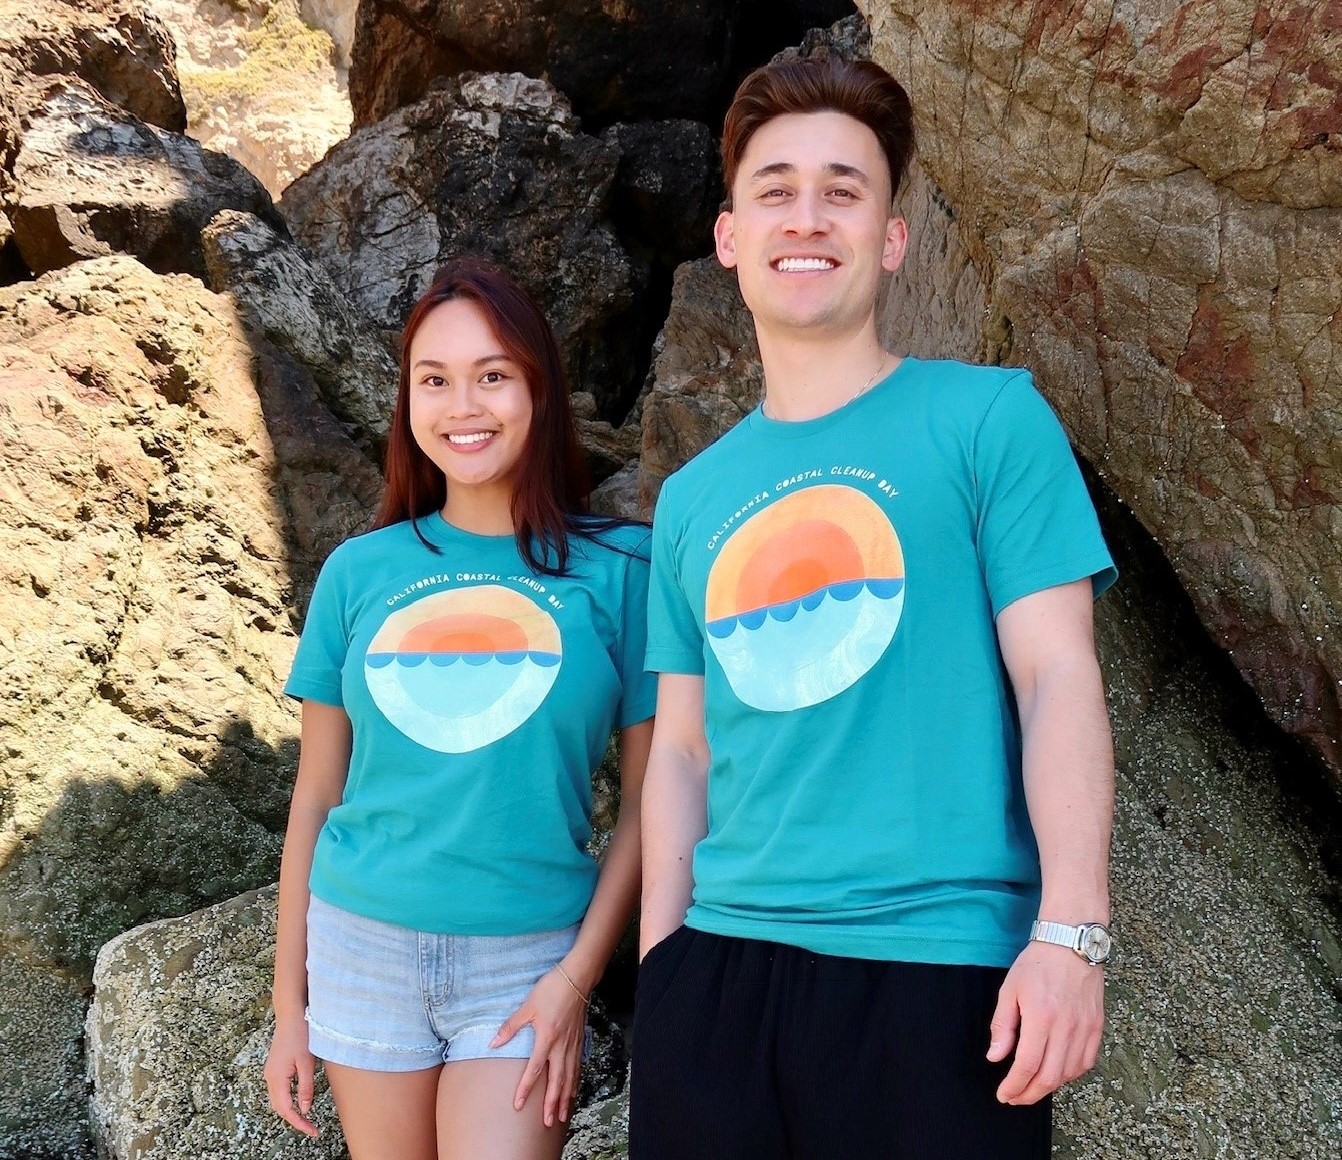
881,747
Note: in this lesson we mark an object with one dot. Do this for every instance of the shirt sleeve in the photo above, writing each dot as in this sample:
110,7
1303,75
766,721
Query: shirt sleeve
675,638
638,701
320,659
1037,526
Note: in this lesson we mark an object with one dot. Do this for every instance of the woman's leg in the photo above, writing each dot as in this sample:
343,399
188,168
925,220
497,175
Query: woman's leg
386,1115
477,1120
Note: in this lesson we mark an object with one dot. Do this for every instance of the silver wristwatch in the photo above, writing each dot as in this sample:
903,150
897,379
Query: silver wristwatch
1090,940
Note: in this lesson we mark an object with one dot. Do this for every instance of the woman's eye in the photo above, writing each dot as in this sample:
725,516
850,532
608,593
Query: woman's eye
492,378
434,381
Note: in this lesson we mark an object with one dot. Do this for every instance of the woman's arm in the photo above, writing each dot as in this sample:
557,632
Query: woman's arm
556,1007
323,765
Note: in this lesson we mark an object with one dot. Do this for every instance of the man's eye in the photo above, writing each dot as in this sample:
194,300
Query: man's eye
774,193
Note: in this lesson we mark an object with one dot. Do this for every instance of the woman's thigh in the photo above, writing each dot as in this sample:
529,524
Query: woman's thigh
477,1120
386,1115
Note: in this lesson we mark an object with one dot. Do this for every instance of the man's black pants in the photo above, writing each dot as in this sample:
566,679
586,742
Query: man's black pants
748,1050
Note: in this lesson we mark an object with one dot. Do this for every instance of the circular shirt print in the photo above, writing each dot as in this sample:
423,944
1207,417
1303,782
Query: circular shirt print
805,598
459,669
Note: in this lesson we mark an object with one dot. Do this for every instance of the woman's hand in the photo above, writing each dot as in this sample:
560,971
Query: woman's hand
289,1061
558,1015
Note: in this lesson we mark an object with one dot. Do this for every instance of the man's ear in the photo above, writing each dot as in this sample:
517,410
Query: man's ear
896,245
724,237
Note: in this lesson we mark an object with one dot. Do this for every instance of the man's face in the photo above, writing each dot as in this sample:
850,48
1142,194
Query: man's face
810,229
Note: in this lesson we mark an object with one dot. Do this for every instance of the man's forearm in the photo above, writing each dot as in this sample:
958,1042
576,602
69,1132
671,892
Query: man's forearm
1069,788
675,818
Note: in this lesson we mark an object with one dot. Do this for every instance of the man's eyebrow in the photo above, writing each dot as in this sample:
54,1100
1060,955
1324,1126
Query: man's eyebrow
832,169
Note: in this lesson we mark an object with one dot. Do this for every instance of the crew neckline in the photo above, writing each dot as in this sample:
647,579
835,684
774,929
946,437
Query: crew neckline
801,428
438,527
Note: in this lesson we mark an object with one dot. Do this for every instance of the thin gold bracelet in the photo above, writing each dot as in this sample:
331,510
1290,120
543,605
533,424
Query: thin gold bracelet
586,1000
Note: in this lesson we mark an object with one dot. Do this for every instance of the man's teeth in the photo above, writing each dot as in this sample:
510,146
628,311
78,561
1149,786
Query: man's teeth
476,437
793,265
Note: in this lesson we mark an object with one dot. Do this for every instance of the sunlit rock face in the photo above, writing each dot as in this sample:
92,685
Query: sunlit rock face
1152,194
168,485
264,81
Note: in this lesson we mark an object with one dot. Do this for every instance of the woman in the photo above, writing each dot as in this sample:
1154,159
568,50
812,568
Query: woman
441,925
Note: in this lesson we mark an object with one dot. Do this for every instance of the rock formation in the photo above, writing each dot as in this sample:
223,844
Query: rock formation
1153,196
169,485
615,61
490,164
91,179
112,45
264,81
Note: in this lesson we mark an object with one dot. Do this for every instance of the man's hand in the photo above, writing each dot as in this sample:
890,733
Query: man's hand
1051,1010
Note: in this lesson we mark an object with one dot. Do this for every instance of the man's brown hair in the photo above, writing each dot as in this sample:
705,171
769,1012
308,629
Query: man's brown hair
860,89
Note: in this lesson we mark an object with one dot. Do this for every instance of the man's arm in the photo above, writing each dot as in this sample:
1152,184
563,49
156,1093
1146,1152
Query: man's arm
1051,1007
675,810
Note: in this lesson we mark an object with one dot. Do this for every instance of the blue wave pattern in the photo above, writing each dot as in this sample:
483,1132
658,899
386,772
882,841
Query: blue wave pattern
844,591
443,660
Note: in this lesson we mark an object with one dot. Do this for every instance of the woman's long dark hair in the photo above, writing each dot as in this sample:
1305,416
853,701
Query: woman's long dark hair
550,490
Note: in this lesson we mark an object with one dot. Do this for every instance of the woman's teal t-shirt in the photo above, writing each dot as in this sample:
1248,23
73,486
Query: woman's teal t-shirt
482,697
836,583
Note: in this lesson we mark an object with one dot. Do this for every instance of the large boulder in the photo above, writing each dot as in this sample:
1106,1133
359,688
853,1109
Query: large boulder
90,179
115,46
615,61
178,1035
123,53
492,164
1153,196
168,486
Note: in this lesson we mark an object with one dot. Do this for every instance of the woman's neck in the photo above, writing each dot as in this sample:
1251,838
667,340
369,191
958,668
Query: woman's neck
480,511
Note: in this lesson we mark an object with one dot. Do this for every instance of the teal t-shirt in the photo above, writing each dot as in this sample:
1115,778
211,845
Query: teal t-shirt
482,697
836,583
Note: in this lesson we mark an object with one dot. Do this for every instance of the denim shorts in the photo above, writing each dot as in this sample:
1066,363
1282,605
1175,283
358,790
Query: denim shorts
387,998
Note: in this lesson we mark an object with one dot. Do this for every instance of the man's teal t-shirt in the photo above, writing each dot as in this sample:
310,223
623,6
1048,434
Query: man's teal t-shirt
482,697
836,583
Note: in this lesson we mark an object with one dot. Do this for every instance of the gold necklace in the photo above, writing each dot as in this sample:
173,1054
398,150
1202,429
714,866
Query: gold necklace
857,394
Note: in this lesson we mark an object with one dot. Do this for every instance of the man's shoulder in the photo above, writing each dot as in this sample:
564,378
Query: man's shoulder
707,465
956,381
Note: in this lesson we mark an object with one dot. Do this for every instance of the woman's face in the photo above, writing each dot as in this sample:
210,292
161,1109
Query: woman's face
470,407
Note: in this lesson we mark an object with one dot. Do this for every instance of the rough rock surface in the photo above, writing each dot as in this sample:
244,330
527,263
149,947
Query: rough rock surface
114,45
615,60
111,44
91,179
177,1040
265,80
491,164
167,488
1155,192
293,302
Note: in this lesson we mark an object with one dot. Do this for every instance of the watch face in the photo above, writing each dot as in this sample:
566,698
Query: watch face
1096,944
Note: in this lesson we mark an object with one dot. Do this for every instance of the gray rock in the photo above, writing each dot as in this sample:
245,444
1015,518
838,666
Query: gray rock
178,1034
91,179
294,304
491,164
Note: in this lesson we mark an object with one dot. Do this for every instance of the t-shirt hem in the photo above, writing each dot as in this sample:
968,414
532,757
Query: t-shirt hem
303,688
879,943
671,661
1099,570
440,924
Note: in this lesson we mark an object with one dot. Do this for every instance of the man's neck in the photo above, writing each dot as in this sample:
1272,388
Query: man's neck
806,379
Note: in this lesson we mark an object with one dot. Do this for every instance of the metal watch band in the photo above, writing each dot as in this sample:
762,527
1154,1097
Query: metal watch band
1076,938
